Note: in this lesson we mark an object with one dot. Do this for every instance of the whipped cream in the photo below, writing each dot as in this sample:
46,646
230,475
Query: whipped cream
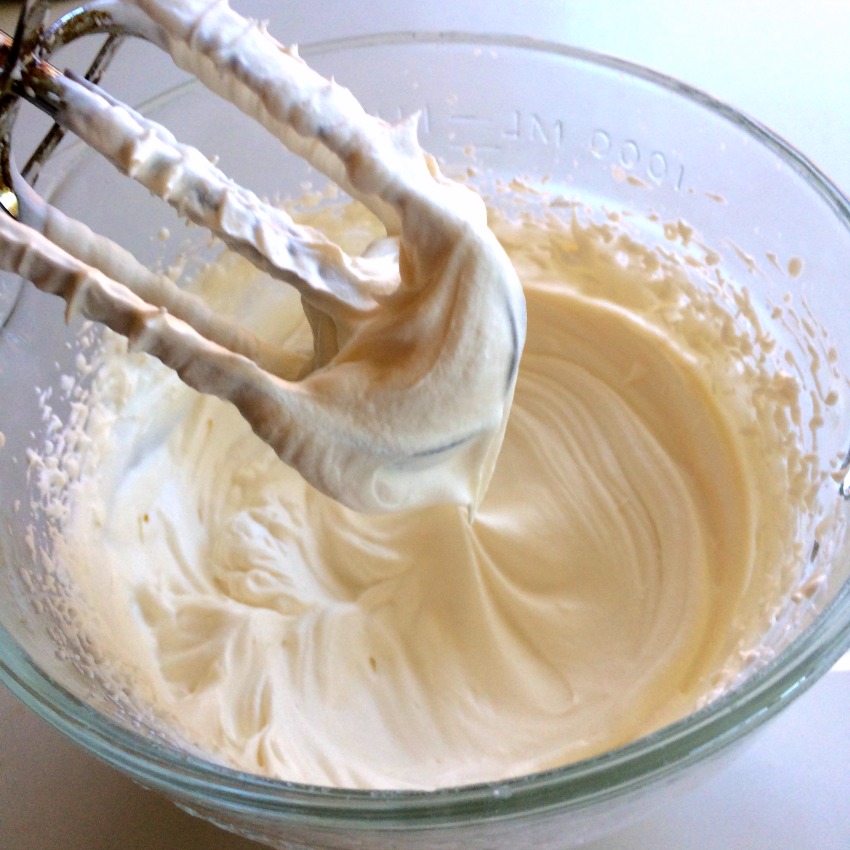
416,342
653,516
652,509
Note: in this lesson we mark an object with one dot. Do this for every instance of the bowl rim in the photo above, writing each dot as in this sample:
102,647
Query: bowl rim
662,754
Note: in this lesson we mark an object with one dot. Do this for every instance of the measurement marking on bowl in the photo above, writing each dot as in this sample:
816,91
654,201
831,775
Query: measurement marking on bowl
494,133
468,129
630,155
533,127
473,123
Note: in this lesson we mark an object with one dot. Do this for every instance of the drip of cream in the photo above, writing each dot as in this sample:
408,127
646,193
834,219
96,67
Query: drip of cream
639,534
416,343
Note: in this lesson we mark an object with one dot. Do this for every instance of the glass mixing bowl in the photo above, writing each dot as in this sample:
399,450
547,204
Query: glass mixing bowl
616,136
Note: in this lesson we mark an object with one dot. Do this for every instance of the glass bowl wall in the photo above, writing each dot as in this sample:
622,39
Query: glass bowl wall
616,137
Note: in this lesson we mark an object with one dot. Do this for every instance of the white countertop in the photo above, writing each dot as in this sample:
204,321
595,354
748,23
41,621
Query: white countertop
785,64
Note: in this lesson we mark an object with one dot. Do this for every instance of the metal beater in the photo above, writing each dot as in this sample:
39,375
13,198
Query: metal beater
419,457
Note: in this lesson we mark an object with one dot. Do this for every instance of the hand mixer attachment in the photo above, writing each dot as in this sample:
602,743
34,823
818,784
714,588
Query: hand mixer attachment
404,398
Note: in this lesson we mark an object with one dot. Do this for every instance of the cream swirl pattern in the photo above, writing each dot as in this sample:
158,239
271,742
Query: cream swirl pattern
633,546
